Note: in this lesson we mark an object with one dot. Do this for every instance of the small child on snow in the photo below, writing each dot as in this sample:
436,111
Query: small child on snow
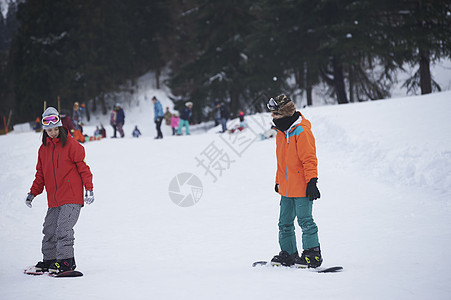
175,122
136,133
296,179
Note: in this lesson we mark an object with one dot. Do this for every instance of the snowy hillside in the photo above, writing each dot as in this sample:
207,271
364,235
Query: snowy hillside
384,177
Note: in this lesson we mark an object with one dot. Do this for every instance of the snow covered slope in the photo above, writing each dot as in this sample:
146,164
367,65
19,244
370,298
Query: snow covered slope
384,177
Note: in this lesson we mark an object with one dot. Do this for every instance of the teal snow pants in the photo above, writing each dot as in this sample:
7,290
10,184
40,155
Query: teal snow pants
290,208
183,123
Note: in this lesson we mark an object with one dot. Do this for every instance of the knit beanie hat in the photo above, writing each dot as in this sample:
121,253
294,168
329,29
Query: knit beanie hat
288,110
51,111
287,107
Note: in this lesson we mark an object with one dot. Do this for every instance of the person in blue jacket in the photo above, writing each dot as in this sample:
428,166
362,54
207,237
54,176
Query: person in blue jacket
185,116
158,116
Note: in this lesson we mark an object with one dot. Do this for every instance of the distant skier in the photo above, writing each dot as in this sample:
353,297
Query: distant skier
241,126
185,117
67,121
296,180
61,169
120,119
167,116
222,115
136,133
158,116
175,122
76,117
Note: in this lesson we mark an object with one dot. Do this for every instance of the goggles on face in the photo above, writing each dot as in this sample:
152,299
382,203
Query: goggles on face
274,105
52,119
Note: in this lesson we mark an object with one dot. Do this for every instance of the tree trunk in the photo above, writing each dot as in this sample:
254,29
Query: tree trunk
94,102
157,78
309,96
308,87
300,77
234,95
94,108
102,103
425,72
339,83
351,85
88,115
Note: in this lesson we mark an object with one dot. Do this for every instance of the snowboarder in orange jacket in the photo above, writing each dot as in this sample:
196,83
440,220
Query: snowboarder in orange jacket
296,180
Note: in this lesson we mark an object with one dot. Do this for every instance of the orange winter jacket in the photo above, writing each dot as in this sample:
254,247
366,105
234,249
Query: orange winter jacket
62,171
296,158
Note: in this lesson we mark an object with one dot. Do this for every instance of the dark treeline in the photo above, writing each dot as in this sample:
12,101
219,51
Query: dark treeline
236,51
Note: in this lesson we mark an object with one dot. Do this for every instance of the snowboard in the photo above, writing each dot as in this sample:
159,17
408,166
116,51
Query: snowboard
317,270
32,271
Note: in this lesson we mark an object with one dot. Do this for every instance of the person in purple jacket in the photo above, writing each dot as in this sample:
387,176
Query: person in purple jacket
120,119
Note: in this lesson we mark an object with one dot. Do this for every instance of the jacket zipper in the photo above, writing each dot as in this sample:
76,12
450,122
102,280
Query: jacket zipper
54,172
286,133
286,165
286,170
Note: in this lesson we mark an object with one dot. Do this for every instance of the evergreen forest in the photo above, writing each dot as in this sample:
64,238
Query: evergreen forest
206,51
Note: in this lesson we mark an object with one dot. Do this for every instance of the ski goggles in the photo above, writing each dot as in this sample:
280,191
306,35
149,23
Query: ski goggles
52,119
274,105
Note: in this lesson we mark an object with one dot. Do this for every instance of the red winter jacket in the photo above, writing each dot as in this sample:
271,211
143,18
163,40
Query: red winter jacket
62,171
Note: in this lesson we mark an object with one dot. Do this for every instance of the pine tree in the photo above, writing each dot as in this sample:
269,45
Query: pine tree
219,70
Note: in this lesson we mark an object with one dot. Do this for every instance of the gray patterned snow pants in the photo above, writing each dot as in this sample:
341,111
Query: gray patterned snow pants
58,241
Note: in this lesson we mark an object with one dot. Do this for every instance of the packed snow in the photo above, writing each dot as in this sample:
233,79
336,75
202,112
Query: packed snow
384,177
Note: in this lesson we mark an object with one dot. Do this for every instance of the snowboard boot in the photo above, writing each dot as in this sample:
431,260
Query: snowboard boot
43,266
67,264
284,259
310,258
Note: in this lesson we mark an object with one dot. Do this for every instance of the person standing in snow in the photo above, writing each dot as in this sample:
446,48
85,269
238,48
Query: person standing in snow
296,180
76,117
223,115
175,122
61,169
37,125
167,116
67,121
158,116
120,119
185,117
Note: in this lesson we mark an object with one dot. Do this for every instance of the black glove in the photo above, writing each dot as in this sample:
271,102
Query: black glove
28,200
312,190
276,187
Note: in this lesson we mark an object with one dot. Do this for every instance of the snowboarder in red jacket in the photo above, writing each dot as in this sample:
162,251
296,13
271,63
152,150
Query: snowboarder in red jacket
62,171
